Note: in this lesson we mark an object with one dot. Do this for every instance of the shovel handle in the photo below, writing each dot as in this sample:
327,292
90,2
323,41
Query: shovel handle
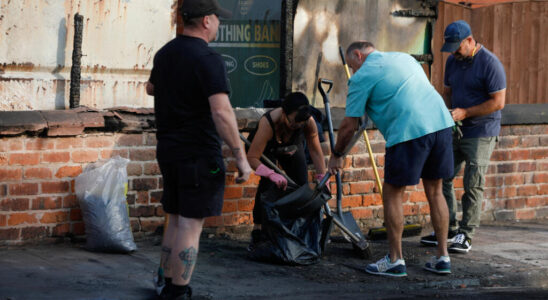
341,53
327,82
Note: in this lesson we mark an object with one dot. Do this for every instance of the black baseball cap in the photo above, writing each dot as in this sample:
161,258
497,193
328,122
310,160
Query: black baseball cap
199,8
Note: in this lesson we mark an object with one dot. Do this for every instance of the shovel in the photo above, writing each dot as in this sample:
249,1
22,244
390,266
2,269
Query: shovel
345,218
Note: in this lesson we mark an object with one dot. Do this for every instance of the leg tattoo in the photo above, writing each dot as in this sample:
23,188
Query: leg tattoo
188,259
166,252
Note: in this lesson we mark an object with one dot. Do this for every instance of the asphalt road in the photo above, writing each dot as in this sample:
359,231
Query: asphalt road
507,261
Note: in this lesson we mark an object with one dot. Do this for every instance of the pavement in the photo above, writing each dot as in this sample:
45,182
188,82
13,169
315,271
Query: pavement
507,261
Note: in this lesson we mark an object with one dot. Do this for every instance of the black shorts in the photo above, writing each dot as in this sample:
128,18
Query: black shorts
193,188
428,157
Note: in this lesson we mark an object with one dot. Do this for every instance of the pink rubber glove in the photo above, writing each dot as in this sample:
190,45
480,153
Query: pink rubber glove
278,179
319,177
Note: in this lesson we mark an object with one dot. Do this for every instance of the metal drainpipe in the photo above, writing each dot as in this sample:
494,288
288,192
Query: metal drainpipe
75,70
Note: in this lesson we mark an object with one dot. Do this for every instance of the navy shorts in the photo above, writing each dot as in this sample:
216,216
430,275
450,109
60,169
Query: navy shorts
428,157
193,188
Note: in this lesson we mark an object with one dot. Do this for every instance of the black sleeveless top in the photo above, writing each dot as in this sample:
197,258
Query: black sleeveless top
273,146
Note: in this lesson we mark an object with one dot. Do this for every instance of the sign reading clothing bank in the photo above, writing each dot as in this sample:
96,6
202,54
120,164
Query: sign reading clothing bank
249,43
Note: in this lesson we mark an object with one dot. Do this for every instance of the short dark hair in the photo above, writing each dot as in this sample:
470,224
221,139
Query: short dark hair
297,101
360,45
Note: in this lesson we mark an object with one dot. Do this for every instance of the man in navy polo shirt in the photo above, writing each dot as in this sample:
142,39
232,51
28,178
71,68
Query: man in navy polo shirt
475,89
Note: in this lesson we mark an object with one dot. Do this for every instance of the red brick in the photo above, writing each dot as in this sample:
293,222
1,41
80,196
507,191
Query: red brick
23,189
129,140
417,197
543,190
150,225
78,228
144,184
529,141
142,211
61,230
506,168
230,220
69,143
134,169
10,234
47,203
55,187
142,197
156,197
16,144
540,178
527,190
54,217
108,153
56,157
514,179
510,191
362,213
230,206
104,141
37,173
249,192
39,144
81,156
380,160
3,221
533,202
70,201
150,139
68,171
515,203
520,130
160,211
75,214
372,200
24,159
215,221
33,233
142,154
520,154
3,190
500,155
424,209
493,181
361,161
352,201
410,210
527,167
3,159
233,192
361,187
10,174
152,169
245,205
21,218
523,214
539,153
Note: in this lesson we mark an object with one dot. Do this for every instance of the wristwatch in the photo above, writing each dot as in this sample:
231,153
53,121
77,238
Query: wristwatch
337,154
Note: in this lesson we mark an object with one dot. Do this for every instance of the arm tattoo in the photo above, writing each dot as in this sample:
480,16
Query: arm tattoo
166,252
188,259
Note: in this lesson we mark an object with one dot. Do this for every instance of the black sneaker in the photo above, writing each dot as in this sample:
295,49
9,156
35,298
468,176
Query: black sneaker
187,294
255,239
430,240
462,244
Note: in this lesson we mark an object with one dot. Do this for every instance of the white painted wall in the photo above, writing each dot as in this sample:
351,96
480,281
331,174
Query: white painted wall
120,39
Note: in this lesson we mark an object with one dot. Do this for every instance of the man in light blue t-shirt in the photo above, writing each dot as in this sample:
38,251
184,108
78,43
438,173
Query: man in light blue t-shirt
392,89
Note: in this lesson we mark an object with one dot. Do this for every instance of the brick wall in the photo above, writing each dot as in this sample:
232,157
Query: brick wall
37,199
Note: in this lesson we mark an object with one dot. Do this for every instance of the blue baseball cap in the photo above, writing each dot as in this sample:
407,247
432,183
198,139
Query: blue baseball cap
454,34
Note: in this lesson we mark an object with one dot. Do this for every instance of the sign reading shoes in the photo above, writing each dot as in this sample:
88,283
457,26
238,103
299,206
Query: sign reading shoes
230,62
260,65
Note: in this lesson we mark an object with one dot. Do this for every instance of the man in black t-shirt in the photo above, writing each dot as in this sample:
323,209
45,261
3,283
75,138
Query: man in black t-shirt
193,114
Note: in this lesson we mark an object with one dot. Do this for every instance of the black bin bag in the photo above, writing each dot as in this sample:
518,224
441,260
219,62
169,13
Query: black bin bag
291,226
